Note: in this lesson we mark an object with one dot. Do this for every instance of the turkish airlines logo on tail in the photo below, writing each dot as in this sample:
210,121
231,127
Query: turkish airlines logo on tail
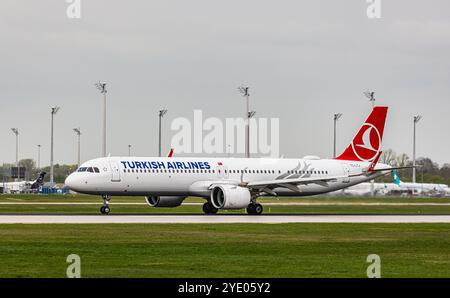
367,143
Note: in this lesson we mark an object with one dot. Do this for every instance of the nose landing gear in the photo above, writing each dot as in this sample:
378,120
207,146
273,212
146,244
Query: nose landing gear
105,208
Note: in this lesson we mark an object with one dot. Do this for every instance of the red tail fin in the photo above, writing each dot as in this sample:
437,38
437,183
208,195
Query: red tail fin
366,145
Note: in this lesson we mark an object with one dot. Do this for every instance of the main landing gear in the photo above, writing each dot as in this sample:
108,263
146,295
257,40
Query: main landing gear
208,208
105,208
254,209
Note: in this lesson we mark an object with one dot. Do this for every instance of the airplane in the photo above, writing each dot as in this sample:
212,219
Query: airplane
420,188
233,183
362,189
398,187
21,186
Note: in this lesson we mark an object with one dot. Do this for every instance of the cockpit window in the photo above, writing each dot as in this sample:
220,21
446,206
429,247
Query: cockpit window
89,169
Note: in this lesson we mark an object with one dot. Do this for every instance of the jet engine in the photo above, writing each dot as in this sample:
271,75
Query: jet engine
230,197
166,201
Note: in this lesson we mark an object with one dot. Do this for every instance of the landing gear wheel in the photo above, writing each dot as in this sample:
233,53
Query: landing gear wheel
208,208
254,209
105,210
258,209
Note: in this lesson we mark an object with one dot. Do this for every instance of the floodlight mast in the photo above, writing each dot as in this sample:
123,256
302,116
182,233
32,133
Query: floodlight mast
54,110
245,91
336,117
78,132
129,150
102,87
416,120
371,96
39,157
16,133
161,114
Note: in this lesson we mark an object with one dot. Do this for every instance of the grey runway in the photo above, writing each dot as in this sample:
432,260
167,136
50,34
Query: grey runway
218,219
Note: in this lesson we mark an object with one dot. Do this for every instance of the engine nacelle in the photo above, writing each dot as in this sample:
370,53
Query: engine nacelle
230,197
169,201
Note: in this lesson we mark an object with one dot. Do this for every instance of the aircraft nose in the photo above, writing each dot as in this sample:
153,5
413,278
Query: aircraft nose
70,181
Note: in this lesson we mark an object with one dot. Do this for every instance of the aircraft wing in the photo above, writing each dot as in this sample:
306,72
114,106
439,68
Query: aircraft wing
369,171
268,186
393,168
291,184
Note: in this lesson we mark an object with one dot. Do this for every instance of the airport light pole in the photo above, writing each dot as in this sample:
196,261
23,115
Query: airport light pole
78,132
102,87
371,96
416,119
54,110
129,150
336,117
39,157
161,114
245,91
16,132
250,115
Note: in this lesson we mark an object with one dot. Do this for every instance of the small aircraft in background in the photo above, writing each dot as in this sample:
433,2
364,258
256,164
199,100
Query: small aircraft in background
23,186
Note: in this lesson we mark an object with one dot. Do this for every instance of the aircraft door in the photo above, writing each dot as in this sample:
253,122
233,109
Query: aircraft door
346,173
115,170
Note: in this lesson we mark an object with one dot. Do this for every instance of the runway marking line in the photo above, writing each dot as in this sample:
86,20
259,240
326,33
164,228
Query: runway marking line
219,219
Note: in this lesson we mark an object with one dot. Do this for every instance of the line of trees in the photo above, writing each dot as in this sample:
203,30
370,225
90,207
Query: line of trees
60,171
427,171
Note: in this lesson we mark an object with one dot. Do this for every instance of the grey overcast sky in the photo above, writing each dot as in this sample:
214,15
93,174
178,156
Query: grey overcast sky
304,61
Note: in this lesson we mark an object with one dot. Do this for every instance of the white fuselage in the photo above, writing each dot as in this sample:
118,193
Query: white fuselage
190,176
16,187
